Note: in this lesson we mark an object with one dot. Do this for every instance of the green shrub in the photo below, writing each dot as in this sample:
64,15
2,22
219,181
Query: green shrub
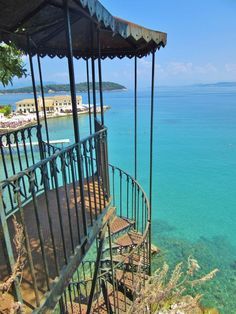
6,110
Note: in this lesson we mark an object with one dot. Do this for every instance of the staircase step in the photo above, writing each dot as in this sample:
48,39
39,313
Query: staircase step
107,248
120,224
131,239
76,308
135,259
118,301
129,279
110,215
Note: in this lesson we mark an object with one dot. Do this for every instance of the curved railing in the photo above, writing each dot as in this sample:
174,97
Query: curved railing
46,198
19,149
131,203
59,201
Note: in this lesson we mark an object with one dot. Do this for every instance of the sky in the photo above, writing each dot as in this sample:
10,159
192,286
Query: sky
201,44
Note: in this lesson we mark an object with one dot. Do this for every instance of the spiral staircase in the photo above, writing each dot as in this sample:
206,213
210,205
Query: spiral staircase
123,269
90,259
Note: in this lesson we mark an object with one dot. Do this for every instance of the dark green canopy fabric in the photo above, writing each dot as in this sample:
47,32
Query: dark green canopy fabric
44,22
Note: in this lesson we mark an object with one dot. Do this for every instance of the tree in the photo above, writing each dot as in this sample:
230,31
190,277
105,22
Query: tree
6,110
11,64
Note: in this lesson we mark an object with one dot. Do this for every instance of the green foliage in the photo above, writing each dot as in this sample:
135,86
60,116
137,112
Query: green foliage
6,110
11,64
80,87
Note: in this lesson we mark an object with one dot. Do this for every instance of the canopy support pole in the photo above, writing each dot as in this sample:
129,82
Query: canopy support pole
135,118
94,92
39,134
93,80
151,158
71,72
43,98
74,111
89,100
100,75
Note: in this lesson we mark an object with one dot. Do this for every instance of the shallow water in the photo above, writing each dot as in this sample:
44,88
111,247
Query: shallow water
194,173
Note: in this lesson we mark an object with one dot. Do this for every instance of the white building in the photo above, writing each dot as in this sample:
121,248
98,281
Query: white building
52,104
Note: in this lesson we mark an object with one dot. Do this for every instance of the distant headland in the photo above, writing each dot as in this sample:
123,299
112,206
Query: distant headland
57,88
218,84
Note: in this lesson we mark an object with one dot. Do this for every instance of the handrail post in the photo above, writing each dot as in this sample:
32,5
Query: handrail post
99,255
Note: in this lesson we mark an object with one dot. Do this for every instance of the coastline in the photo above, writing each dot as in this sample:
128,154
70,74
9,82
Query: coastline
32,121
2,93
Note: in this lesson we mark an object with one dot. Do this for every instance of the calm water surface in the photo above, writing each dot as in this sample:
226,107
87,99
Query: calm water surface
194,205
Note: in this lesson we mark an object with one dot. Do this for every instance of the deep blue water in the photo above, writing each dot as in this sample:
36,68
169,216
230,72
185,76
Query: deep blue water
194,204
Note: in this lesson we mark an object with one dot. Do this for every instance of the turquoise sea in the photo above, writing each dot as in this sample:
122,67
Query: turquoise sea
194,205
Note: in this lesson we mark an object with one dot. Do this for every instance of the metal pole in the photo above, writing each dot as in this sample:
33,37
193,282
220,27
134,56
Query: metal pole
151,155
135,118
93,79
43,99
74,111
89,100
94,90
71,71
35,99
100,74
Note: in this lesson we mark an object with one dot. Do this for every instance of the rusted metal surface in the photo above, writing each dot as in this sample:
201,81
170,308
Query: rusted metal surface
119,224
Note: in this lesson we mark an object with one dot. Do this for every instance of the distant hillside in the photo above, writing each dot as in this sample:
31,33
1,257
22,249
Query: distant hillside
219,84
55,88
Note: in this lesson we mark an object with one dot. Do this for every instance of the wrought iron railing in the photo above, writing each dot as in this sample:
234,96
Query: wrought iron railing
113,291
46,199
45,196
19,150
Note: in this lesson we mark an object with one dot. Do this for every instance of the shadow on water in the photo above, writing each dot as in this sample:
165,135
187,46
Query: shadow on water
211,253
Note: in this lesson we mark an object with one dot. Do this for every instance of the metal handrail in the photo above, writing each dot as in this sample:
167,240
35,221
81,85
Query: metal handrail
57,172
20,130
144,236
46,160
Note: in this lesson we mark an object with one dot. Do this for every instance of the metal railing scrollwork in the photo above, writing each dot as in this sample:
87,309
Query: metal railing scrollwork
45,197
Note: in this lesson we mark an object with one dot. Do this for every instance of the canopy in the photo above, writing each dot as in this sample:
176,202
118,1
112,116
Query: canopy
44,22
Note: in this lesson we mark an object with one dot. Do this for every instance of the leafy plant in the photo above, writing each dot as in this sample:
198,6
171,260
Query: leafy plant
6,110
11,64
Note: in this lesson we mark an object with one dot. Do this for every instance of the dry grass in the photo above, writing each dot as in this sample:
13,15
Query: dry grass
7,302
165,293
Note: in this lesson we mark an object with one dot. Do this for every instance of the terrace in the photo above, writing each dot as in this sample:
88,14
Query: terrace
86,223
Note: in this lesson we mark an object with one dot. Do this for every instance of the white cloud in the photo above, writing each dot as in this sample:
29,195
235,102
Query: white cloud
188,68
230,67
60,75
205,69
176,68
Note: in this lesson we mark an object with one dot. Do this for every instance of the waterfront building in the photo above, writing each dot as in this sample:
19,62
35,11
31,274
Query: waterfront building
58,103
86,224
